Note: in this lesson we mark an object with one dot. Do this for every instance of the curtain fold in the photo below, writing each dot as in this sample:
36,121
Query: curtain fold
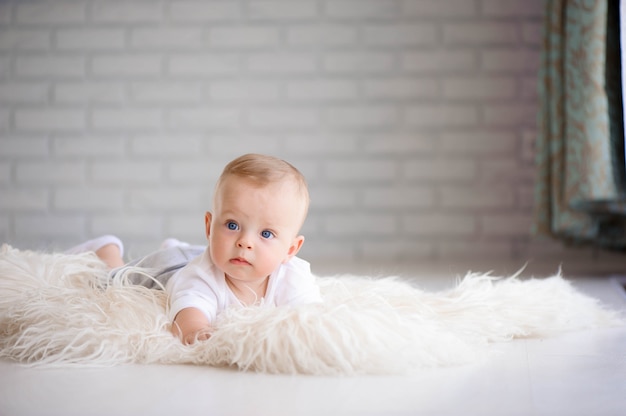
579,193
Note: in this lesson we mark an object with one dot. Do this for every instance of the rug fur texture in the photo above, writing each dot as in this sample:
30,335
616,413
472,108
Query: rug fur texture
63,310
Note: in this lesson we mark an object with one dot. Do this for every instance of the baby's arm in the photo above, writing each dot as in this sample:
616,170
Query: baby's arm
191,324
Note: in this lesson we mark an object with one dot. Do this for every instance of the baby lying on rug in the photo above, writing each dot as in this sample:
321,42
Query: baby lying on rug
259,205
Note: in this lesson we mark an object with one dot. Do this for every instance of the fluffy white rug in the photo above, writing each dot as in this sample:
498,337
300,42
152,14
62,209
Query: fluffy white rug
58,309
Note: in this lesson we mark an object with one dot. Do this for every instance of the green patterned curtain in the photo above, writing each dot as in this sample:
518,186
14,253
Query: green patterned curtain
579,194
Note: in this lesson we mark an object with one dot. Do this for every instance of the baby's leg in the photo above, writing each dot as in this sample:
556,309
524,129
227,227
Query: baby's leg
111,255
108,248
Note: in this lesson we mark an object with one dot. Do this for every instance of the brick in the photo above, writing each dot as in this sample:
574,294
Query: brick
479,142
400,34
504,170
201,11
21,200
50,225
281,10
90,92
49,66
244,36
126,11
473,249
165,145
525,197
438,8
528,153
441,224
532,33
5,119
401,88
165,92
166,38
322,89
88,199
90,39
333,197
24,39
362,116
180,199
50,119
127,65
476,198
225,147
6,13
325,144
449,61
509,224
203,117
6,64
56,12
396,249
358,62
283,117
512,8
192,172
135,118
23,93
442,170
279,63
529,89
126,172
148,226
492,88
510,114
23,147
485,33
204,65
398,143
327,251
354,224
510,60
442,116
6,176
91,146
399,197
322,35
247,91
358,9
50,173
368,171
4,220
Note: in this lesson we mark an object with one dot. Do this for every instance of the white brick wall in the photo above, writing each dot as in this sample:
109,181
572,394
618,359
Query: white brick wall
414,120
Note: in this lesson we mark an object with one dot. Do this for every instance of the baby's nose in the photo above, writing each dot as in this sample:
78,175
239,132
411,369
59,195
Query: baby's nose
244,243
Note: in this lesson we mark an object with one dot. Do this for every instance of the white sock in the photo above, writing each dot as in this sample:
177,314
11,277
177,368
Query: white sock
172,242
96,244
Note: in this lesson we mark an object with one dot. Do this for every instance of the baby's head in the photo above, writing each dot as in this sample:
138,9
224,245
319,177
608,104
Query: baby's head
262,171
259,205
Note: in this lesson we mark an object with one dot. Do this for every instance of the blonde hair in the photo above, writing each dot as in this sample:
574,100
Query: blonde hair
263,170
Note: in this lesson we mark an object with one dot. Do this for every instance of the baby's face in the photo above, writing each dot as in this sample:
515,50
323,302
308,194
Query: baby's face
252,229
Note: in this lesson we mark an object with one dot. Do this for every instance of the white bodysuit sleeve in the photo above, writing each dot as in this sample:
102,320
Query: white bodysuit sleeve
297,285
193,286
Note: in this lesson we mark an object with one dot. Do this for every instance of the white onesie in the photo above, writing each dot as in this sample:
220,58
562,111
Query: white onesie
201,285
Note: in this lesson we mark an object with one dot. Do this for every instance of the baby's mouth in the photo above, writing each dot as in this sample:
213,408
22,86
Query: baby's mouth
239,261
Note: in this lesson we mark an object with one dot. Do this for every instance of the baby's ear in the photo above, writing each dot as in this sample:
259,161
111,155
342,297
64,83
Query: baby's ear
295,246
207,223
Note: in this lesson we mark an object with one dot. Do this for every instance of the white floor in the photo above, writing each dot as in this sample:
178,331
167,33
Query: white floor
582,373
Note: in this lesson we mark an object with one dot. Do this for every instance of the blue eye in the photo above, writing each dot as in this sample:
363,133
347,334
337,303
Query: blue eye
267,234
232,225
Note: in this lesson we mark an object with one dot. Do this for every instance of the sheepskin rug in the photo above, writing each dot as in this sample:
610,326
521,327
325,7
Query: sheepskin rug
63,310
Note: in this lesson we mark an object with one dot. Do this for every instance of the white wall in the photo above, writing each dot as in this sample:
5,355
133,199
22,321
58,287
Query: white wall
413,120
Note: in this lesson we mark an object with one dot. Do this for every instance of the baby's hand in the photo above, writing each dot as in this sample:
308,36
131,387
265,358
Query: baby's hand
190,325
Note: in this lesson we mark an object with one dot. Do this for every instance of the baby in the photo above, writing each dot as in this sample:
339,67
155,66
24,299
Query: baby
259,205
